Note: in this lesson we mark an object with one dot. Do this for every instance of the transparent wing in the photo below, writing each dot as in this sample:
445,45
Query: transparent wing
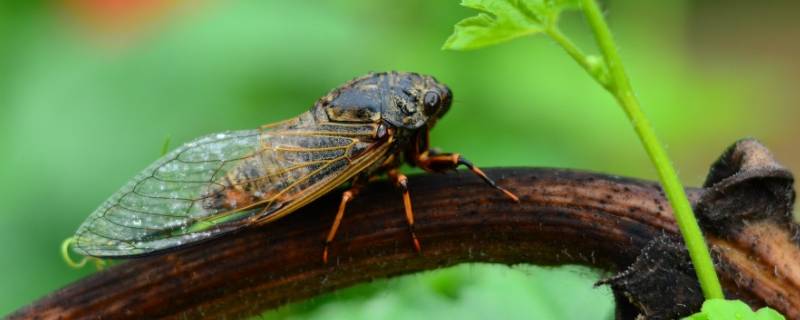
224,181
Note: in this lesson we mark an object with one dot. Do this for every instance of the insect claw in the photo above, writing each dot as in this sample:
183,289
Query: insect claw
509,194
417,247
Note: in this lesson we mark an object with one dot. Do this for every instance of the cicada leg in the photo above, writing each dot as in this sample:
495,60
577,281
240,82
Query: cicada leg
347,196
439,162
401,182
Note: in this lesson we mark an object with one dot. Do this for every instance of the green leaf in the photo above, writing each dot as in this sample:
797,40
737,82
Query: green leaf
718,309
503,20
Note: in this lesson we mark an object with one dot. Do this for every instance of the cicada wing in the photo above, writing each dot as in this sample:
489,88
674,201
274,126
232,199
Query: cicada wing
167,195
191,194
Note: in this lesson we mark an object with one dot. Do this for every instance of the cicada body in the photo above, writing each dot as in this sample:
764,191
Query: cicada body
226,181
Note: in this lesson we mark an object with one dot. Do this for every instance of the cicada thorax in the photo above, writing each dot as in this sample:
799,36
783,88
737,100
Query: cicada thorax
294,155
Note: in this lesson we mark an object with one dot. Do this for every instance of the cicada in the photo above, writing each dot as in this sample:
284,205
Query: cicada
225,181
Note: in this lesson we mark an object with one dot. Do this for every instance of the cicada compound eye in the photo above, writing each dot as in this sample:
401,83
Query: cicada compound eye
431,101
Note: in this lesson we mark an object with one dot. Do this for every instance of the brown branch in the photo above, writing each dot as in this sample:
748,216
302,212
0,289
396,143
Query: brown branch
565,217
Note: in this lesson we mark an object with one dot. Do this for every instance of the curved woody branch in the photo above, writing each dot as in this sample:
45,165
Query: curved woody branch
565,217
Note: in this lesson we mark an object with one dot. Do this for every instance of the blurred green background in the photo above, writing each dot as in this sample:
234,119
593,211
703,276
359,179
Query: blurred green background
89,89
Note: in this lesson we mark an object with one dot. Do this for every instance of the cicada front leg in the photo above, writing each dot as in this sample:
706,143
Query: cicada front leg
435,162
432,161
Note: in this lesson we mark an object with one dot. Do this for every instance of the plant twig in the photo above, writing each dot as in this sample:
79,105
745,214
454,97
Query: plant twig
565,217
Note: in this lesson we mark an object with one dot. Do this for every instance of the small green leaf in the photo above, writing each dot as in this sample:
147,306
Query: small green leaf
718,309
165,146
767,313
598,69
503,20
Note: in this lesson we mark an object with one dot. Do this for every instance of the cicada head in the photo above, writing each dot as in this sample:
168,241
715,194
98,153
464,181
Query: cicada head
403,99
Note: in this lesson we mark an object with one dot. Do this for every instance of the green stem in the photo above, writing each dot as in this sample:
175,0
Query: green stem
621,89
597,71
